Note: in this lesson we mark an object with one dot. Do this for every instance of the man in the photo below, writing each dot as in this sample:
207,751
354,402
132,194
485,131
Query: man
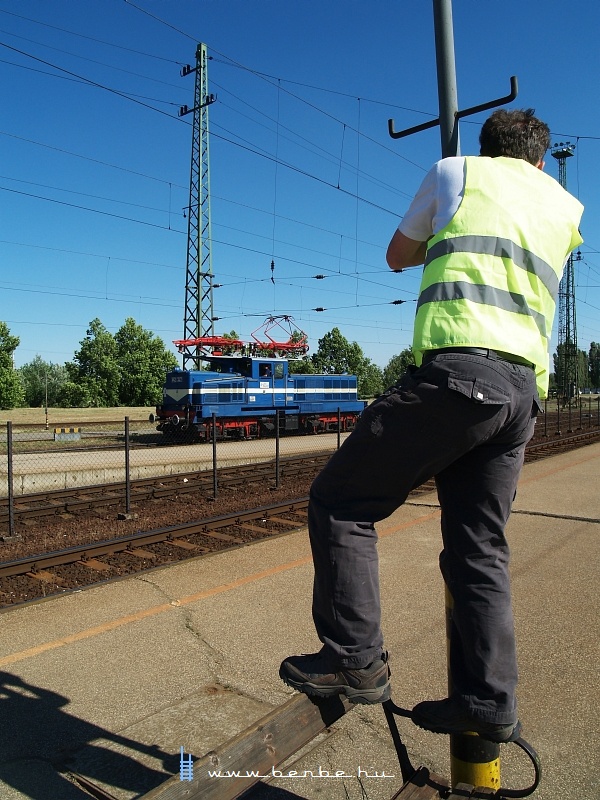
494,232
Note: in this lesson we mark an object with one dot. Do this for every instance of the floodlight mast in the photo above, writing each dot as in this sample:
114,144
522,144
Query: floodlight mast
198,315
567,368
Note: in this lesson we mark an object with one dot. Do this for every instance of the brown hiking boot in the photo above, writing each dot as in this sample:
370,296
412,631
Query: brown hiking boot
316,675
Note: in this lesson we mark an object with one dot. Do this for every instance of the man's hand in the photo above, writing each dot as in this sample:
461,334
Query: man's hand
403,252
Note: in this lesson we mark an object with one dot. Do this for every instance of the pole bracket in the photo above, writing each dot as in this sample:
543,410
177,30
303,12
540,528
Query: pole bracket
391,710
514,89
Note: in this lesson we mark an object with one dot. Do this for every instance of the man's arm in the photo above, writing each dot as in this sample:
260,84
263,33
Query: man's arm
403,252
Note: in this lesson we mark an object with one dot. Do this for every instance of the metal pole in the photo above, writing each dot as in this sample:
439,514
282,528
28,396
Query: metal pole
277,469
46,398
546,417
446,77
127,473
339,428
214,453
9,477
473,760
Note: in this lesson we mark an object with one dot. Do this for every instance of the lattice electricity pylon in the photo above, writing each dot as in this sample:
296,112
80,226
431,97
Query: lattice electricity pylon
198,315
567,371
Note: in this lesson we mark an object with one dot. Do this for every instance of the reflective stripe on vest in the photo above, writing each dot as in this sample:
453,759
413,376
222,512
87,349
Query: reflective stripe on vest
488,295
502,248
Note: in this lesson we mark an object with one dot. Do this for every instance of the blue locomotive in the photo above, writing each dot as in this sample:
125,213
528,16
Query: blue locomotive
245,385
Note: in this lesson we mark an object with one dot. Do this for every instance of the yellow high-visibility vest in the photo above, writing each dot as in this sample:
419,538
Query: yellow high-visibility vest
491,275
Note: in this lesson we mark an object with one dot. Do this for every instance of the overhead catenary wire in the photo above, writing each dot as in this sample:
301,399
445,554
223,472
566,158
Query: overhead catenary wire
92,38
249,148
85,80
345,235
128,96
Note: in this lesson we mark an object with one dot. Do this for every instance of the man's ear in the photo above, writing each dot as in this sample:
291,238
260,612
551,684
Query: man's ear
541,164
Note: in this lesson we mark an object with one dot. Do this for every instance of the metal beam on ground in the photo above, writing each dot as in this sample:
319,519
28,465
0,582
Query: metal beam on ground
259,749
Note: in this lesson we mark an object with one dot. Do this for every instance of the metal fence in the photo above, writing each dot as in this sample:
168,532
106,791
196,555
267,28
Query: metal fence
35,460
39,460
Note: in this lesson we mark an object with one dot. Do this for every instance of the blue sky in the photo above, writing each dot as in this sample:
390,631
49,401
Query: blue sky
96,162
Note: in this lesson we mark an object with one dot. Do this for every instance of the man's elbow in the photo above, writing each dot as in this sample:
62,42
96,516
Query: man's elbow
392,258
403,252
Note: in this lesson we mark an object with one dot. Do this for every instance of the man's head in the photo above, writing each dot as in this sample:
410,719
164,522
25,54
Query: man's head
516,134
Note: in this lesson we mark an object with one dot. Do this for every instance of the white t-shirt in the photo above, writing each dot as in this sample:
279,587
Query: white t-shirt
437,200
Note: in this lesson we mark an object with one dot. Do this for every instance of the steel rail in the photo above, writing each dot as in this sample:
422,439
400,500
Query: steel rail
205,526
536,449
41,504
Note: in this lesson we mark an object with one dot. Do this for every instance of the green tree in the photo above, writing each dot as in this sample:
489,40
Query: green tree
336,355
301,366
370,381
142,361
566,385
11,388
397,366
42,382
583,368
75,395
94,373
594,364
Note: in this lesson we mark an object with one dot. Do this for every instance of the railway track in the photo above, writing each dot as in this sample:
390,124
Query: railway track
201,536
66,501
542,447
71,569
63,571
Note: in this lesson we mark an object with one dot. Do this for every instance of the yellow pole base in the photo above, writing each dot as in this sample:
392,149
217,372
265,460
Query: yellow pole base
475,761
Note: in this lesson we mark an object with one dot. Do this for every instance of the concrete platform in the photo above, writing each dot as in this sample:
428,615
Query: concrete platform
111,682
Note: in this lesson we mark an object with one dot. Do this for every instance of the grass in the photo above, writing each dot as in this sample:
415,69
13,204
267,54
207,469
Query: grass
62,417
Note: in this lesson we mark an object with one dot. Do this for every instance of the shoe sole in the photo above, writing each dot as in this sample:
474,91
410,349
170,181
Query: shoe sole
498,737
365,697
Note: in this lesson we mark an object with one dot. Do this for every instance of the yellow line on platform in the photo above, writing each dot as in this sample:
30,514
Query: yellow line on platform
257,576
184,601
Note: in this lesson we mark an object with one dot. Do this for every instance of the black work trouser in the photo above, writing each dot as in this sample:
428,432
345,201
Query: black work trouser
464,419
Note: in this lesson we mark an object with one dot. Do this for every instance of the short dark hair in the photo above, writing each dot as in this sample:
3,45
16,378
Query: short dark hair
516,134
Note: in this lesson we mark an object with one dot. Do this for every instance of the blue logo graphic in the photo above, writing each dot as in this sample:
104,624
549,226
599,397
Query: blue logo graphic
186,768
